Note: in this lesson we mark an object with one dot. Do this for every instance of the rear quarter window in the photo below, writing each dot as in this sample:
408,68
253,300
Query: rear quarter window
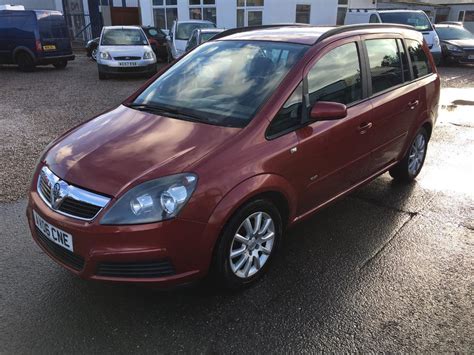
419,60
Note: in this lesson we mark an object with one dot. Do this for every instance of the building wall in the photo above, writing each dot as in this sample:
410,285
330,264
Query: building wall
323,12
454,14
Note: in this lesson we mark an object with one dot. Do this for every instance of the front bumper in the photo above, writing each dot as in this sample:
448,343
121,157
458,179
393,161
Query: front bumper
167,253
460,57
436,56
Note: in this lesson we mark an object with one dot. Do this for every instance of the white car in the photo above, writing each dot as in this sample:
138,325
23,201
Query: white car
415,18
180,33
124,50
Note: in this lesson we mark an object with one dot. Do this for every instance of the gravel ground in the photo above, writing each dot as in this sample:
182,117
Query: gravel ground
388,268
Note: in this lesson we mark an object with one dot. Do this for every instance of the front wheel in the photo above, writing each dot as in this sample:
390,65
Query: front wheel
410,166
248,244
94,54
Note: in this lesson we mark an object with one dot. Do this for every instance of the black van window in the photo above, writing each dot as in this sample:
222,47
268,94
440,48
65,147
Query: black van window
52,26
336,76
385,64
289,115
419,60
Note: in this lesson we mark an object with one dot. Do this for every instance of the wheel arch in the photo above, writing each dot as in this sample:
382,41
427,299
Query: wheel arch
21,49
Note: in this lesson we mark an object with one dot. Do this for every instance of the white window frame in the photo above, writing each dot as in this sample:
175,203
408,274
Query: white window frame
246,9
202,6
168,26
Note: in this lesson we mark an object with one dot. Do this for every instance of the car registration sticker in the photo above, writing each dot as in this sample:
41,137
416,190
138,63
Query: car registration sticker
127,64
53,233
50,47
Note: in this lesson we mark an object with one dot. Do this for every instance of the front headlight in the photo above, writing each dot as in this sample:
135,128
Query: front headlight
105,55
148,55
453,48
152,201
436,41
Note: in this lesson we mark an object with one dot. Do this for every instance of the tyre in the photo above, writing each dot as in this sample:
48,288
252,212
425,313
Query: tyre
94,54
60,65
25,62
248,243
102,76
410,166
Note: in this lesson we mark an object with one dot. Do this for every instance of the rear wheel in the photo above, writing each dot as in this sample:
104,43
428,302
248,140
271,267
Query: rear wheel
60,65
410,166
248,244
25,62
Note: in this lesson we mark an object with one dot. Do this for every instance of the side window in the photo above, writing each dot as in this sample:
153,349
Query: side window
385,64
403,55
289,115
336,76
374,19
419,60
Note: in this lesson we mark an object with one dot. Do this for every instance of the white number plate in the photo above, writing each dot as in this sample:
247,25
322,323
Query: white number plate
470,56
127,64
54,234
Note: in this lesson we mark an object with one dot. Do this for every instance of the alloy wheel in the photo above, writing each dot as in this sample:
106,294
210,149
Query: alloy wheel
94,54
252,244
417,154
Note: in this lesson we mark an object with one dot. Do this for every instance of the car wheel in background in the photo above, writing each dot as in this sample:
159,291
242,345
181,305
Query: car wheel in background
94,54
60,65
410,166
247,245
25,62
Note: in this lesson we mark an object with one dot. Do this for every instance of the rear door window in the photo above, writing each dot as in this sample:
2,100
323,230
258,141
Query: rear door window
336,76
419,60
385,64
52,26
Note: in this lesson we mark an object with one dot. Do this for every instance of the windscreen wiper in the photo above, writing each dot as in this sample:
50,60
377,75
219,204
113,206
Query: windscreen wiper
163,110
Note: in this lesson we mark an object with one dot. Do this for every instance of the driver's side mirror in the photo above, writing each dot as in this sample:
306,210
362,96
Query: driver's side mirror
328,111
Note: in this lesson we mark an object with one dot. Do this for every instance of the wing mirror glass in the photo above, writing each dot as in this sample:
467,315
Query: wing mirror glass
327,111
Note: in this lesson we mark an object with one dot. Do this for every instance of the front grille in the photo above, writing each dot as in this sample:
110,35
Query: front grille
127,58
78,208
65,256
143,270
130,69
77,202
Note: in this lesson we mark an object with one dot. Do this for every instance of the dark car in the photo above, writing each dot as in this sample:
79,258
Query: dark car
457,44
36,37
257,129
201,35
156,37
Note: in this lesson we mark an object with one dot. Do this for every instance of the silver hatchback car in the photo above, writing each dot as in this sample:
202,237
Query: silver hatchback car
124,50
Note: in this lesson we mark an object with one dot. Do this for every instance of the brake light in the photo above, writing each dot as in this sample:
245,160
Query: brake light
39,48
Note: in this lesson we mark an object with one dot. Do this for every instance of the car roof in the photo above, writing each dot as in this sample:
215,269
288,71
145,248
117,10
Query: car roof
122,27
401,10
306,34
209,30
194,21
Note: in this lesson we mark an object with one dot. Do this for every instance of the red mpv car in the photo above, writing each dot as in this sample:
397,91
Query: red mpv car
205,166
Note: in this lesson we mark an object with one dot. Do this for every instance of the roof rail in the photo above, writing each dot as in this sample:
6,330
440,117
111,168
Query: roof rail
251,28
364,26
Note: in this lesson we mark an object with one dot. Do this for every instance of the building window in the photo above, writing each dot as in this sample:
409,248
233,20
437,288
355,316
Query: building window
164,13
203,10
249,12
341,11
303,13
468,16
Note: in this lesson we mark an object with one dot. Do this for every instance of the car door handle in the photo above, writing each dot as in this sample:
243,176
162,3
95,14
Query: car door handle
364,127
413,104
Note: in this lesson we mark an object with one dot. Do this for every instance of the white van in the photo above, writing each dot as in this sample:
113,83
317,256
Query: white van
180,33
415,18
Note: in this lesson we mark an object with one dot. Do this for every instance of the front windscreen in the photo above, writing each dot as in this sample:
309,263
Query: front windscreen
51,26
453,33
123,37
185,29
416,19
223,82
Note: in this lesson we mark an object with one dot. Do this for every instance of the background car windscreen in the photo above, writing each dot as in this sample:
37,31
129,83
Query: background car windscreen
52,26
185,29
223,82
416,19
123,37
452,33
206,36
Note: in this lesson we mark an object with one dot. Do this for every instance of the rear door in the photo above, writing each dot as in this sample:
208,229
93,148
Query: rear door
394,98
53,33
